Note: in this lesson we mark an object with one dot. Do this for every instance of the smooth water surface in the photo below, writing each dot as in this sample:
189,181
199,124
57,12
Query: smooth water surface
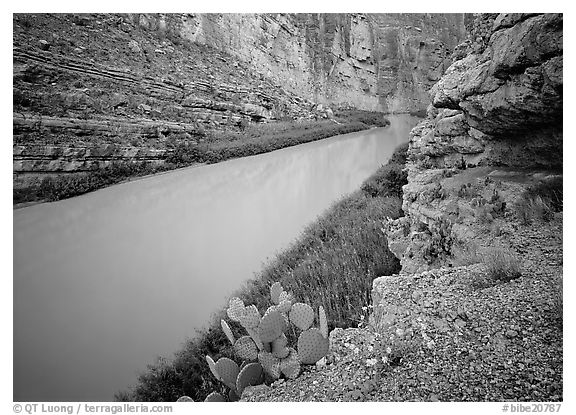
105,282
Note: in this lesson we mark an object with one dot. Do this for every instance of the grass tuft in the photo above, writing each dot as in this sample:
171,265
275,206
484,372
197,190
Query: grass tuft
502,265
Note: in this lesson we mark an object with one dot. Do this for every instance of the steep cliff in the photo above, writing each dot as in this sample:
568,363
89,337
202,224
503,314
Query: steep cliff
493,129
371,61
91,90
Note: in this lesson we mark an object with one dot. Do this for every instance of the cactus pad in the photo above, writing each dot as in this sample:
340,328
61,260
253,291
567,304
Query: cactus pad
253,333
251,375
270,309
212,367
290,366
280,352
250,318
284,295
228,371
302,315
275,291
284,306
215,397
271,326
279,348
245,348
235,309
185,399
270,364
312,346
323,322
227,331
233,396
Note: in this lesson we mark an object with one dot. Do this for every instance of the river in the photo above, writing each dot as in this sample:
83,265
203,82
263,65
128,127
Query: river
107,281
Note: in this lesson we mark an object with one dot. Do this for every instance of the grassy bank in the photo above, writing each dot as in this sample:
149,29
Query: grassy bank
212,147
332,264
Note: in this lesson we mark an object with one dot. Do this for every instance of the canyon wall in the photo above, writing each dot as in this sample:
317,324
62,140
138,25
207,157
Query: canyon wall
493,128
384,62
93,89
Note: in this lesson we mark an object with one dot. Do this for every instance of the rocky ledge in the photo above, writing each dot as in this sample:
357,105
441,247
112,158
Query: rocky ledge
450,334
494,128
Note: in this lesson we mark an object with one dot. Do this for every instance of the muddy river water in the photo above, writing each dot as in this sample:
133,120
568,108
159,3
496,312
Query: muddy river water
105,282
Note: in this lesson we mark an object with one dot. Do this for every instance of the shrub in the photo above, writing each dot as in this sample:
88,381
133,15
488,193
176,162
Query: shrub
387,181
399,155
529,209
75,184
551,191
540,201
440,242
465,253
185,153
502,265
372,118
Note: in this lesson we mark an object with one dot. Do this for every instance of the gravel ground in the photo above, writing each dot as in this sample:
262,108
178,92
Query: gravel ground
450,334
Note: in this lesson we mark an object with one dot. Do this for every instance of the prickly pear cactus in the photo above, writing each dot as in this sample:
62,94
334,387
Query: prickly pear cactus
275,291
212,367
286,296
185,399
250,318
235,309
290,366
312,346
233,396
301,315
271,326
267,343
227,331
284,306
228,371
215,397
251,375
270,364
245,348
279,348
253,333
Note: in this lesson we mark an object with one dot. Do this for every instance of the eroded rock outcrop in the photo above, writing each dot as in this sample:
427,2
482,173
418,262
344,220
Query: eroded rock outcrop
493,128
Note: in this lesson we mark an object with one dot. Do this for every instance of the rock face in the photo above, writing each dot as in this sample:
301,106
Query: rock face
494,126
142,81
370,61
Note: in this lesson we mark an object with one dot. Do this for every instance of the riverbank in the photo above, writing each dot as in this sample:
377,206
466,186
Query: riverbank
332,264
214,146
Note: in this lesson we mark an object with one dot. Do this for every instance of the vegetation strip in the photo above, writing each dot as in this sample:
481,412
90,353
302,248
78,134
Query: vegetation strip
214,146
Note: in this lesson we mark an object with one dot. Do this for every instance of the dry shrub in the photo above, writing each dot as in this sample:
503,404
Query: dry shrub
502,264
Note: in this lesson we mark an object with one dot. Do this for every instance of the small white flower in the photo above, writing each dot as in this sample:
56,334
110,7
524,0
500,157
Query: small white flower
389,350
356,350
364,308
384,359
370,349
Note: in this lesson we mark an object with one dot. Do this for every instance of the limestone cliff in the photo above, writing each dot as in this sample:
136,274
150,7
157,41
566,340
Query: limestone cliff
383,62
493,128
93,89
